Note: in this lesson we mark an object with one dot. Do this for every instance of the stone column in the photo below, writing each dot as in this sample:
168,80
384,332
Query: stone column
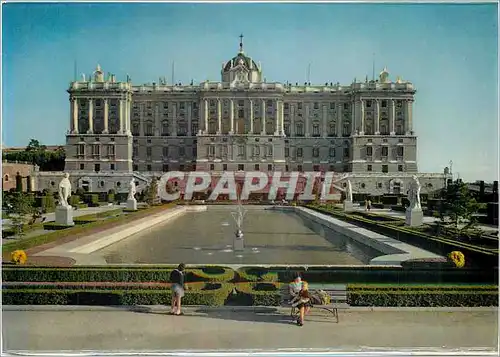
231,116
354,113
126,122
219,117
205,115
74,114
190,118
325,120
120,113
377,117
340,119
277,118
91,117
263,117
251,116
408,116
392,117
306,129
362,129
282,118
157,128
174,118
106,116
292,119
141,118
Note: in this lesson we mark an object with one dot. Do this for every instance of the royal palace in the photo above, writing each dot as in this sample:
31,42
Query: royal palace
118,130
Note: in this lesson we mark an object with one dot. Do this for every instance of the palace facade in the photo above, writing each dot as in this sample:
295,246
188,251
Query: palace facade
242,123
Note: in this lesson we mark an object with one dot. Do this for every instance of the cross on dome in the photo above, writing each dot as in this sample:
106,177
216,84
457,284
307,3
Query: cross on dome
241,43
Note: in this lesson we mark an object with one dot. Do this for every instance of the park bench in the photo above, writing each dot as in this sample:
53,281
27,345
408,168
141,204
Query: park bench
336,292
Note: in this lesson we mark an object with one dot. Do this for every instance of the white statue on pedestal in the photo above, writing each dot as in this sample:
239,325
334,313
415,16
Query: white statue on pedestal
348,191
414,193
64,190
132,190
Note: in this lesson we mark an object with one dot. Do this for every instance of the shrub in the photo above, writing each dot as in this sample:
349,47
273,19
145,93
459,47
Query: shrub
195,295
53,226
74,200
212,273
108,274
48,203
257,274
19,257
91,199
398,208
258,294
423,298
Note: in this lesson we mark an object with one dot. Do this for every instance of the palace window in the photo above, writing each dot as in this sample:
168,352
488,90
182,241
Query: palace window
80,150
149,152
346,130
270,150
315,130
165,168
96,149
299,129
182,151
211,150
299,152
182,130
194,128
149,129
385,169
111,150
346,152
332,130
400,168
316,105
369,151
256,150
287,129
165,151
299,105
400,151
332,152
287,152
332,106
384,103
385,151
135,151
182,105
368,167
315,152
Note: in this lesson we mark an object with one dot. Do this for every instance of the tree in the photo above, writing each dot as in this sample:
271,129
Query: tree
37,154
458,208
20,209
151,194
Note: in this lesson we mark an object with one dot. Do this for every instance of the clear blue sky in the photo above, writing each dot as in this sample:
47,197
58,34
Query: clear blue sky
450,53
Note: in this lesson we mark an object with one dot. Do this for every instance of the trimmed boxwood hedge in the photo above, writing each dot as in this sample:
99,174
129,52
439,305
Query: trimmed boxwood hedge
204,294
258,294
257,274
212,273
423,298
112,274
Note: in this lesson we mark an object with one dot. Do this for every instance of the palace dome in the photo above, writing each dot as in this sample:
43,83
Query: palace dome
240,59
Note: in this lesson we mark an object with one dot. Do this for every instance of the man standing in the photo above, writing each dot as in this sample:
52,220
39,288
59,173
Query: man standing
177,281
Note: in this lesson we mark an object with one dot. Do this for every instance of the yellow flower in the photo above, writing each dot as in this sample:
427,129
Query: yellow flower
19,257
458,258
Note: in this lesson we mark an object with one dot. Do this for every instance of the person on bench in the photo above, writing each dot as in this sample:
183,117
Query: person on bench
295,286
302,301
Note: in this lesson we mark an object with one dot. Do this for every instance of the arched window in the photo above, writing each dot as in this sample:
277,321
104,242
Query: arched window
6,178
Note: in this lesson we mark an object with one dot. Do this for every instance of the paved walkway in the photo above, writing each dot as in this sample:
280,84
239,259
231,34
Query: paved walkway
152,328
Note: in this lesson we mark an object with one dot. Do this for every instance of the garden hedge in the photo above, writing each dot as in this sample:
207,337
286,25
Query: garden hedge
257,274
423,298
257,294
204,294
112,274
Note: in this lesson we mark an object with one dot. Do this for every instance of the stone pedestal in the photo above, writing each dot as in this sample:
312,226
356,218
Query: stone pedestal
348,206
132,204
64,215
238,244
414,217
